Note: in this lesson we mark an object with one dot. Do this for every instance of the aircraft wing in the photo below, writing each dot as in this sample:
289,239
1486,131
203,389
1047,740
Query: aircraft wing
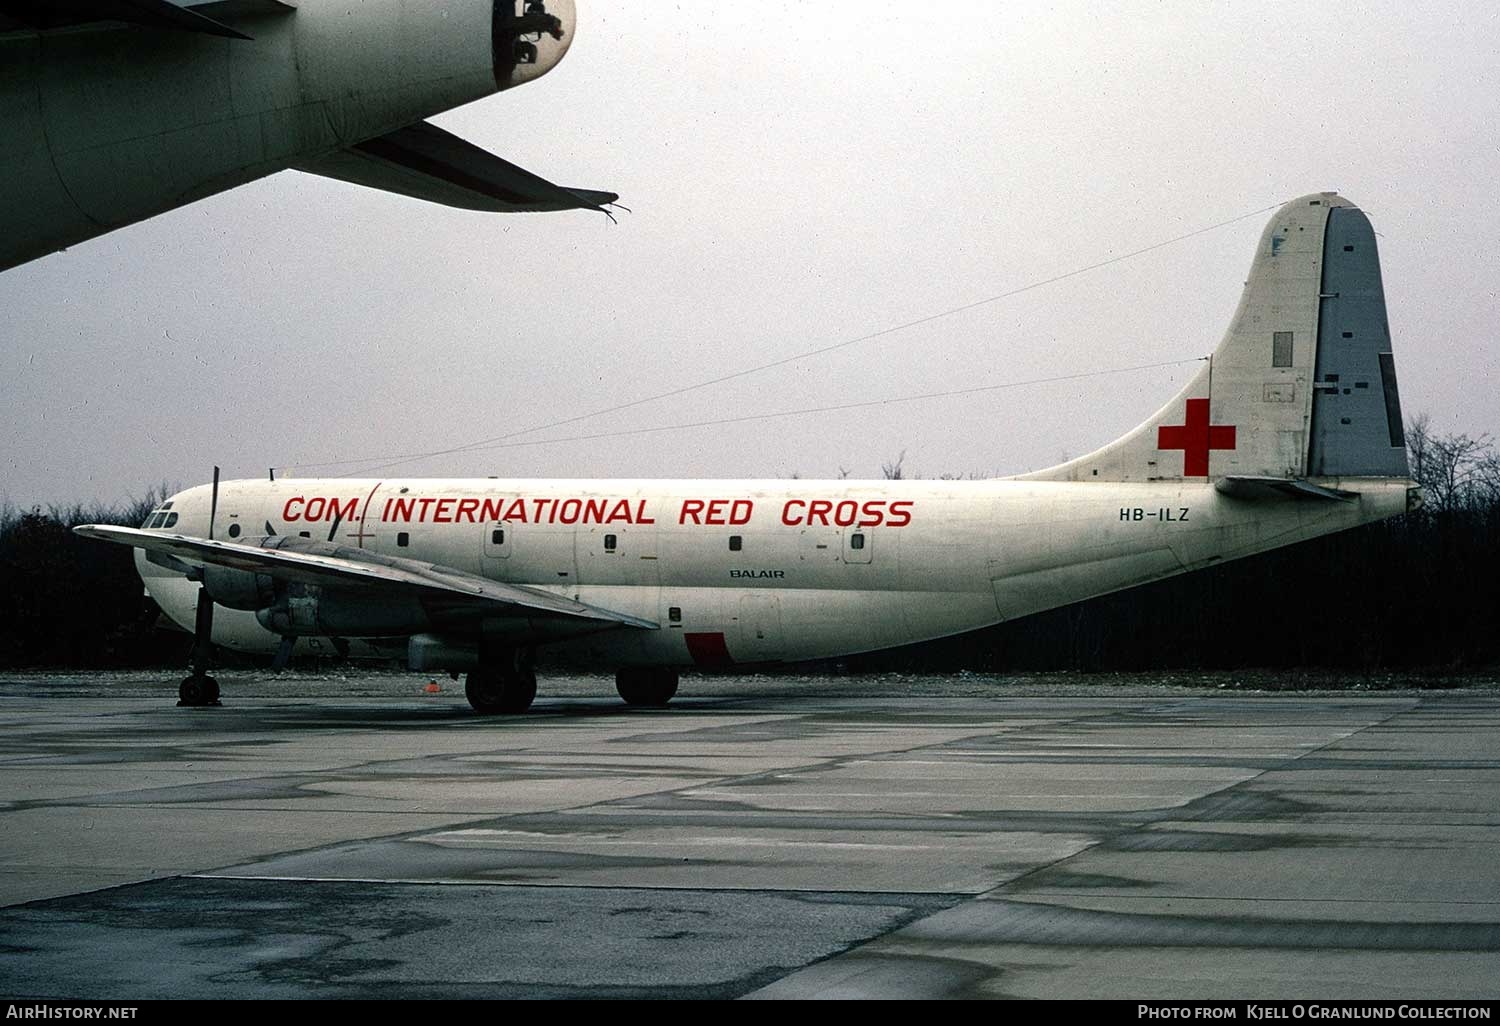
427,163
33,15
329,564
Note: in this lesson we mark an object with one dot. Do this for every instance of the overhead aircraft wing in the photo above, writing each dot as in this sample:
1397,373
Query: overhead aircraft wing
35,15
328,564
427,163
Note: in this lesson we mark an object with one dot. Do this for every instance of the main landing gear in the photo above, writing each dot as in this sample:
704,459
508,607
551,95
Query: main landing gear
198,688
646,685
504,686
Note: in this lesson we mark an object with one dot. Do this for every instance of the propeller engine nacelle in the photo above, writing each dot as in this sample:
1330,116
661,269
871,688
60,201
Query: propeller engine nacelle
303,610
238,589
103,128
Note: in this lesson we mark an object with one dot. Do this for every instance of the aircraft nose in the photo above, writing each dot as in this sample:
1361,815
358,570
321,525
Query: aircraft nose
530,38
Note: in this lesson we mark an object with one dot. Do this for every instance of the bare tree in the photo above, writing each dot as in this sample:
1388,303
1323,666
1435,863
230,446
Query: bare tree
1418,446
891,471
1455,471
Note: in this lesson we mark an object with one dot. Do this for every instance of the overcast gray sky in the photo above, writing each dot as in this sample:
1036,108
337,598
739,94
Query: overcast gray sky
800,174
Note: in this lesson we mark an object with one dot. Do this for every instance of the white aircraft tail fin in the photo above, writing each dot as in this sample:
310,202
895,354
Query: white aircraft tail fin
1303,384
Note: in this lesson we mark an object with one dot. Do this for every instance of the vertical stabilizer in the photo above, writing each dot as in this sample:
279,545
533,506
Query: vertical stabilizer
1303,383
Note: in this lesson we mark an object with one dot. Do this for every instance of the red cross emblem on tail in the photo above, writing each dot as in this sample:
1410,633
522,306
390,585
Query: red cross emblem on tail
1195,438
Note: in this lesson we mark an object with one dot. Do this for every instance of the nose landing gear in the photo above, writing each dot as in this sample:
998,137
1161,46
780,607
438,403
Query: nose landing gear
198,688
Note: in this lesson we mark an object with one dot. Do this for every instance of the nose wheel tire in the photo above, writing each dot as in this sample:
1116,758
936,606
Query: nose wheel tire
646,686
198,689
493,692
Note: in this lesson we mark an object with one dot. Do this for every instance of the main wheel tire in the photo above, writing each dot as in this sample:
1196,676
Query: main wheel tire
492,691
197,689
520,690
646,686
484,691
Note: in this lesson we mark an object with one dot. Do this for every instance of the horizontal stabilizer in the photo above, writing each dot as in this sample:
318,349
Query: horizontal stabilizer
242,8
427,163
1244,487
159,14
331,565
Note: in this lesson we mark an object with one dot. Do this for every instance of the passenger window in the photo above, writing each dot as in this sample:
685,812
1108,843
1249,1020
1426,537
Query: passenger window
856,541
609,542
497,536
403,539
674,614
736,543
234,529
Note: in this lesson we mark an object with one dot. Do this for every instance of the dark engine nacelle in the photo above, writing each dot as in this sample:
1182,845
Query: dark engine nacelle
301,610
238,589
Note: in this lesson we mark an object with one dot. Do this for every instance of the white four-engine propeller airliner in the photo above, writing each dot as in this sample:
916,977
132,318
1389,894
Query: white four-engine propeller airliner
1292,429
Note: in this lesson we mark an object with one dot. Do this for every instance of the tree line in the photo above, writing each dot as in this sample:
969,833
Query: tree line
1417,592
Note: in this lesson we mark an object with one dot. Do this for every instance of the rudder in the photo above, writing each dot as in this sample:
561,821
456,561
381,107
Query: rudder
1356,414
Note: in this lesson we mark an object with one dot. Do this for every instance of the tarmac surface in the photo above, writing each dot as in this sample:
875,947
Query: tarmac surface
965,836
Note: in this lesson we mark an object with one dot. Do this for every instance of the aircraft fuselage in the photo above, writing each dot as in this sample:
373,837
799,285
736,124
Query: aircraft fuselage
748,572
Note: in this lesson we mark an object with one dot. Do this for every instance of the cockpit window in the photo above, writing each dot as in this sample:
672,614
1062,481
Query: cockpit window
157,520
171,520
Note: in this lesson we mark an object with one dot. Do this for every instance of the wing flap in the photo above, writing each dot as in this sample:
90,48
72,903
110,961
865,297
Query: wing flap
425,162
296,559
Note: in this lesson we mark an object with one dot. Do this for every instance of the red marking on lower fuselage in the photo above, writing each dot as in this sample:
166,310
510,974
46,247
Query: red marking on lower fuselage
708,649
